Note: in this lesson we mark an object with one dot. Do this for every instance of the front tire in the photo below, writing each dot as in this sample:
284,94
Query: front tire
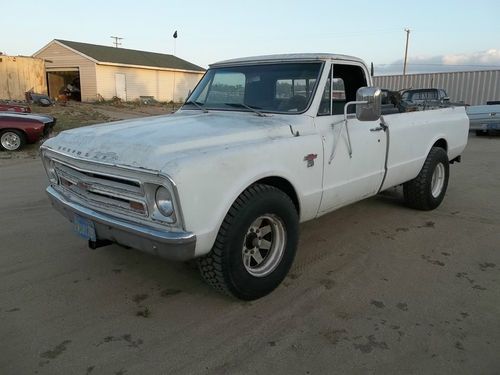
255,246
12,140
426,191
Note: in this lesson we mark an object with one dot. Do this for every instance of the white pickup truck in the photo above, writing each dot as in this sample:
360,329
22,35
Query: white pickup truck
262,144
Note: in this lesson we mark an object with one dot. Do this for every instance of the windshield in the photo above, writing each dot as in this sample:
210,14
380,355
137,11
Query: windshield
279,88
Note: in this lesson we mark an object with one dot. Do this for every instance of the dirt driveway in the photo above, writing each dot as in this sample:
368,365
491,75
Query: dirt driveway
376,288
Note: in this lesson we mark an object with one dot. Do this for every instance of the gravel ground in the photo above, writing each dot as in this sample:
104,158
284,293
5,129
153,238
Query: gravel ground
375,288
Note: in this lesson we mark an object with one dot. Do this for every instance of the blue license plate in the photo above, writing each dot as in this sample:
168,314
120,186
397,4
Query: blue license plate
84,228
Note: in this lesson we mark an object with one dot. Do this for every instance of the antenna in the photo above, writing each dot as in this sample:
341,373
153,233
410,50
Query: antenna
116,41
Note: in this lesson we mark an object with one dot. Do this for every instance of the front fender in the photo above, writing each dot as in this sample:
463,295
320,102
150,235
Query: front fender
209,184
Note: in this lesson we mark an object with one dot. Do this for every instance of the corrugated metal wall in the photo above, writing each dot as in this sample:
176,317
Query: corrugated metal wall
474,88
21,74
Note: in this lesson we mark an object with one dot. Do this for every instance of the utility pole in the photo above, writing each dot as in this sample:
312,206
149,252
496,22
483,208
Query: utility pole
406,51
116,41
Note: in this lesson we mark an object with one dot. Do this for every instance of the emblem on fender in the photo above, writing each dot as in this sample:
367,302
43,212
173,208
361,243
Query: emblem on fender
310,159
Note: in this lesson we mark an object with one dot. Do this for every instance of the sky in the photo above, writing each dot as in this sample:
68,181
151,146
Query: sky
444,36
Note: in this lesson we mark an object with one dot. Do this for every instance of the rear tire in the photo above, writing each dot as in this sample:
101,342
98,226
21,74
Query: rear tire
426,191
12,140
255,246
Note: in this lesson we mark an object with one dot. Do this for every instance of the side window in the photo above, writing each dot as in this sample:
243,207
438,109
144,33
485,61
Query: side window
324,106
432,95
338,96
227,87
347,79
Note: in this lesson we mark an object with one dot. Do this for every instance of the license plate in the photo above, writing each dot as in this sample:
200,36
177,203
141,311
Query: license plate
84,228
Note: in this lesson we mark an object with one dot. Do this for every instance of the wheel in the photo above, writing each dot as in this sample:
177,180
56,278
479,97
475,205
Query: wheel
12,140
427,190
255,246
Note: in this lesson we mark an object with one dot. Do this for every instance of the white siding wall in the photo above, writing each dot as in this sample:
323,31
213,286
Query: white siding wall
185,83
146,82
57,56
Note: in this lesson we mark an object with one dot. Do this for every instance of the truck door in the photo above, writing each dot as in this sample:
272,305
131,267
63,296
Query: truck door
351,171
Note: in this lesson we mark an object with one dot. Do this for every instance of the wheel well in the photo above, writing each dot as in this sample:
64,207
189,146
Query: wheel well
285,186
441,143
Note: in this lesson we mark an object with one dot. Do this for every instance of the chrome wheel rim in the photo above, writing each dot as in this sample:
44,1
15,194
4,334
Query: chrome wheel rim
264,245
10,141
437,182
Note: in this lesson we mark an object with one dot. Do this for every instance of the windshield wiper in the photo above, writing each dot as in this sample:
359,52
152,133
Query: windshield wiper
242,105
197,105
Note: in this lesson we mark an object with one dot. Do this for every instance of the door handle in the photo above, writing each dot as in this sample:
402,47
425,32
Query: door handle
377,129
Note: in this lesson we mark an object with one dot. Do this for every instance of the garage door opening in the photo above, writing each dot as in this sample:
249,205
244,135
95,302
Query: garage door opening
64,84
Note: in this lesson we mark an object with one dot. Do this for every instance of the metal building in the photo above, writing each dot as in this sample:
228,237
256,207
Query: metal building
473,87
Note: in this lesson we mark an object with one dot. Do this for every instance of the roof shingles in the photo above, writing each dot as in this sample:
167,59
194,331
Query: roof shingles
105,54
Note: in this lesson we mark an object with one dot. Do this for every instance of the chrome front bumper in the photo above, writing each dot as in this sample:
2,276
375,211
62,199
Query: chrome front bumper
170,245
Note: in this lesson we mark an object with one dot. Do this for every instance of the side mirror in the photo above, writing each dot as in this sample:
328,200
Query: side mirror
446,99
369,101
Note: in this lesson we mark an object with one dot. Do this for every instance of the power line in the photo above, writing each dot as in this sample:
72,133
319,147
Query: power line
116,42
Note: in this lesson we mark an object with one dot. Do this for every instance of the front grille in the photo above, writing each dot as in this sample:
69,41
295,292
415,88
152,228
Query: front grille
103,191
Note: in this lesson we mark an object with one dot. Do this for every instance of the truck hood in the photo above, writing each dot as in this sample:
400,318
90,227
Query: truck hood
152,142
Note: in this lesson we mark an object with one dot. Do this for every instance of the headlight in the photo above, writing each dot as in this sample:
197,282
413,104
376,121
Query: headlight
51,170
164,203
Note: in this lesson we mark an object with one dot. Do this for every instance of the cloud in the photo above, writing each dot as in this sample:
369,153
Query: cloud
489,59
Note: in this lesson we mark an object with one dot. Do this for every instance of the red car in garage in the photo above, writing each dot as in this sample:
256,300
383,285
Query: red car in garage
17,129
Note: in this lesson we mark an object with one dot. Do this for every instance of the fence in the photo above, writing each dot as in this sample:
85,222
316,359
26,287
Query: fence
20,74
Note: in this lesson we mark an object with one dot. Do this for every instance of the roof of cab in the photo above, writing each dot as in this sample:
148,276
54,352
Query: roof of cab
286,58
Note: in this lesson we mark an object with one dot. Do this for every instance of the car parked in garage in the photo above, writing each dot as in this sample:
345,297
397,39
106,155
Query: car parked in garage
17,129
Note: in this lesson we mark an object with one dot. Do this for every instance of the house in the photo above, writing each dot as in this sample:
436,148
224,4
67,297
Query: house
107,72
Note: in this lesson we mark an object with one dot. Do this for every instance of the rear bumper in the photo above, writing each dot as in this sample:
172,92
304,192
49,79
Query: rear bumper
170,245
485,126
